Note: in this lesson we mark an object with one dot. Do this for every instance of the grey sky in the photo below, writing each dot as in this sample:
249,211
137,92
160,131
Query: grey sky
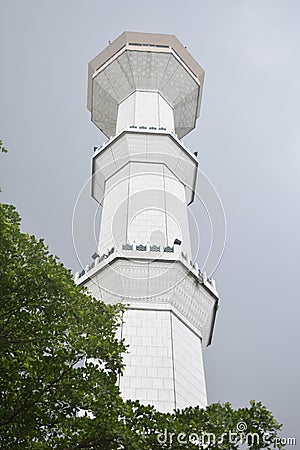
248,139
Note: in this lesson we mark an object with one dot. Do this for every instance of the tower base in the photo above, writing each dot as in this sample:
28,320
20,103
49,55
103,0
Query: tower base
168,320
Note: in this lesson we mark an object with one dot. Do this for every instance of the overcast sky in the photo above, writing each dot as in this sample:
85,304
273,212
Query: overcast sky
248,139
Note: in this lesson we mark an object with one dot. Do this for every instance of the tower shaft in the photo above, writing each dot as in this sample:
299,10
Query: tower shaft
144,94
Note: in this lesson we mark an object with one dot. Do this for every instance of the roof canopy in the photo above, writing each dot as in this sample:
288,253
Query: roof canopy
148,62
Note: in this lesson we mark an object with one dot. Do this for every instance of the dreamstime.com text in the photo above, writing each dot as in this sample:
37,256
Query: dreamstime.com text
240,436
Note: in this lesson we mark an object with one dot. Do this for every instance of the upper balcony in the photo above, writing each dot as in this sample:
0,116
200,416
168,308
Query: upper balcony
145,62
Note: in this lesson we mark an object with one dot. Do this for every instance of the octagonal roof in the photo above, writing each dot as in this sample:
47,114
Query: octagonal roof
145,61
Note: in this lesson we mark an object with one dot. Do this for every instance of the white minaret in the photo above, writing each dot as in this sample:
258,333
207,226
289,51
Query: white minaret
144,94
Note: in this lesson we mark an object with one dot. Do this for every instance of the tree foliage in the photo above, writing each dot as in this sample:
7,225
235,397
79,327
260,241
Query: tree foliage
53,393
49,326
2,148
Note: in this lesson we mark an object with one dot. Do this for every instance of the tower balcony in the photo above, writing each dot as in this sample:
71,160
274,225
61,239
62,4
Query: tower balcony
148,144
145,62
144,278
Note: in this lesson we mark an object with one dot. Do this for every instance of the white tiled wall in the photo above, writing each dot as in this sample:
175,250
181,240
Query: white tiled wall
164,364
141,200
114,213
149,370
188,366
145,108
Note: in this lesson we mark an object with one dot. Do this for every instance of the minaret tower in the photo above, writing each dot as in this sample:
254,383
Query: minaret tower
144,94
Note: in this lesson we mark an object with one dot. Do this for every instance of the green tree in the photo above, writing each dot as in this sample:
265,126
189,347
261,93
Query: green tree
49,326
2,148
53,395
